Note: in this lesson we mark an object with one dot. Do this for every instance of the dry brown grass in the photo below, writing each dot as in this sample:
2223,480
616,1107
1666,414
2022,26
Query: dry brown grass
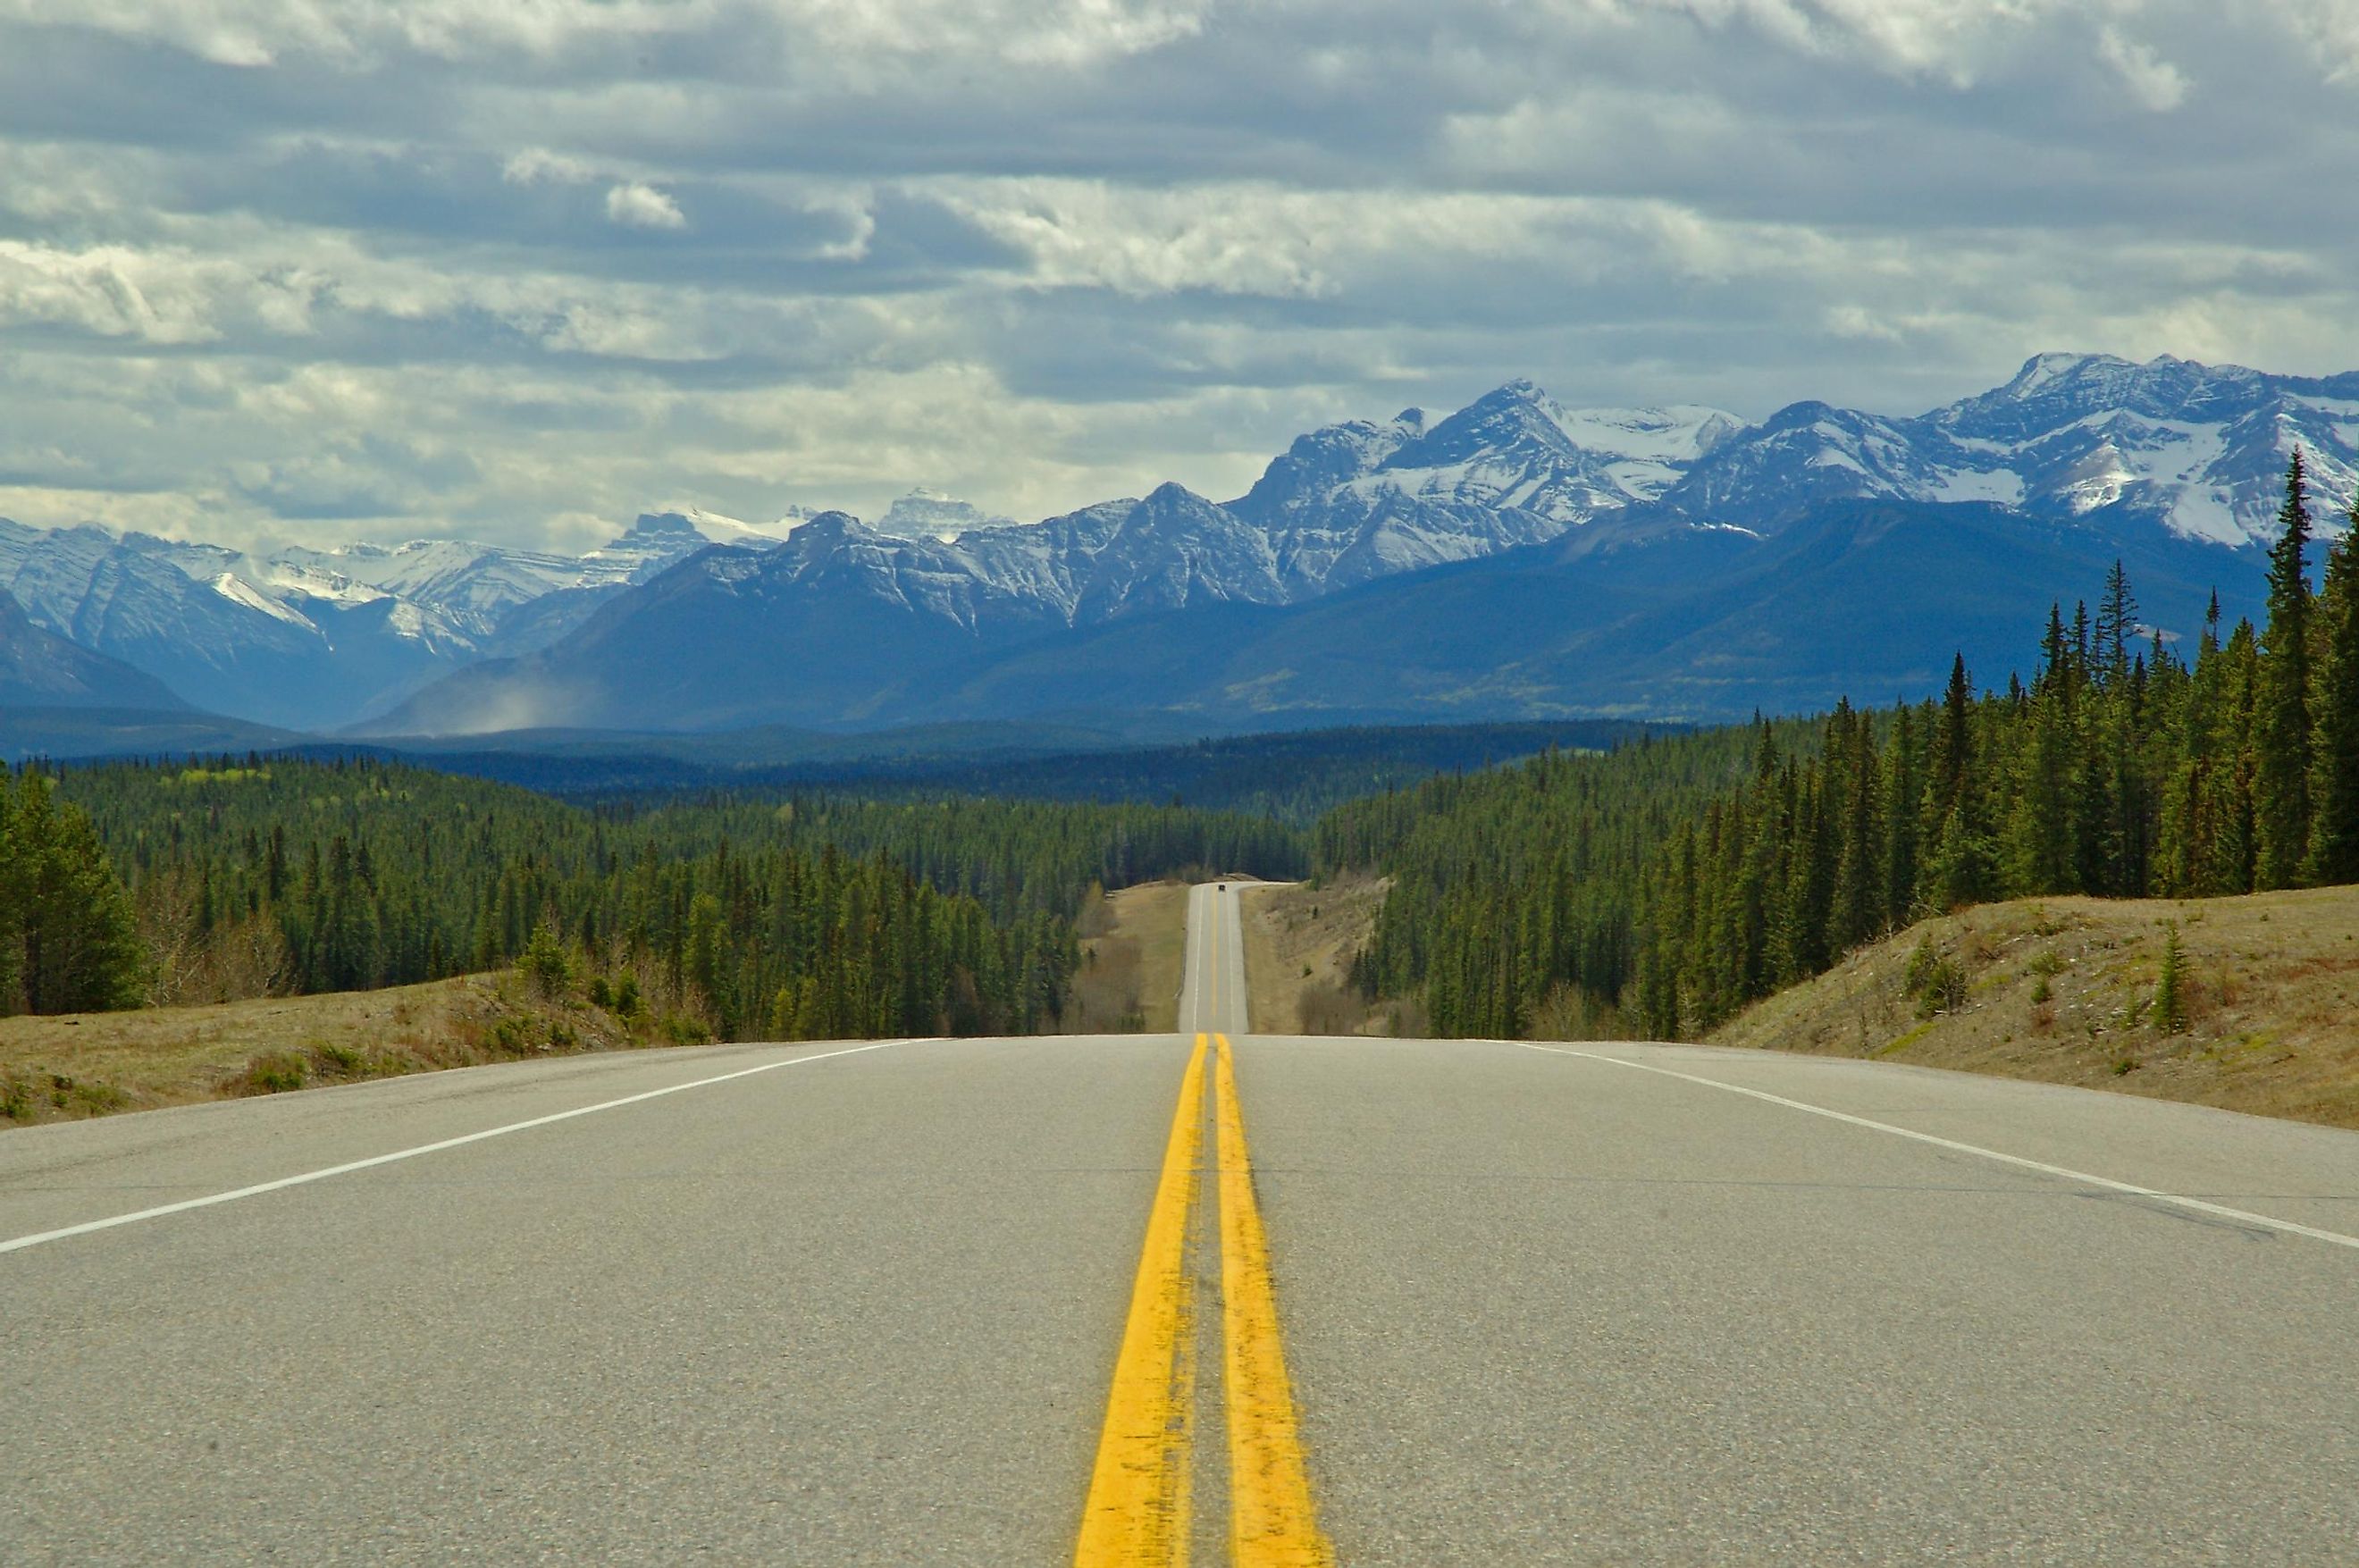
1134,944
1299,942
2062,990
88,1064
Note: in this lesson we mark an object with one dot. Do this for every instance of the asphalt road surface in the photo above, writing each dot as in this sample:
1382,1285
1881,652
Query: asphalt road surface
1265,1300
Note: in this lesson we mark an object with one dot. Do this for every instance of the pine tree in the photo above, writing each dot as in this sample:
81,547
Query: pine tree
1904,786
2281,730
76,938
1953,755
2334,784
1858,911
15,889
2170,988
2116,623
2038,840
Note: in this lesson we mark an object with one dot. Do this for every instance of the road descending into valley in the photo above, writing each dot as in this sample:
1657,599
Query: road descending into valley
1211,1296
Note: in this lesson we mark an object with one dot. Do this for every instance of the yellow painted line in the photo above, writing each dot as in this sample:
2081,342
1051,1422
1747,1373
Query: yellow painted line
1138,1511
1272,1522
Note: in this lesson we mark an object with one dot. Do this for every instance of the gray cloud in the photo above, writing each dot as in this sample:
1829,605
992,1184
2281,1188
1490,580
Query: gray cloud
355,269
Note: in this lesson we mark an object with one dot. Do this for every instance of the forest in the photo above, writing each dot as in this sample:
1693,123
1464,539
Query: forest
1662,888
801,918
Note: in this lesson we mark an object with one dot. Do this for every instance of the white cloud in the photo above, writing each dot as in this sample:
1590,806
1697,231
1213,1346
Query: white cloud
2153,80
111,291
1041,252
637,206
850,33
535,166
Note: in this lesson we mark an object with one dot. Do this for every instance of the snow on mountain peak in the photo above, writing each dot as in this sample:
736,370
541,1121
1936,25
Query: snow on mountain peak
2043,369
238,590
2200,449
930,514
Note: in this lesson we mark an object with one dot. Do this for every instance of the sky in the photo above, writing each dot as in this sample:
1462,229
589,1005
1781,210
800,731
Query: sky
315,270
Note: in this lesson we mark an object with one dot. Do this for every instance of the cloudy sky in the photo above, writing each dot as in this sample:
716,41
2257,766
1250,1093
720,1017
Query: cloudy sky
319,269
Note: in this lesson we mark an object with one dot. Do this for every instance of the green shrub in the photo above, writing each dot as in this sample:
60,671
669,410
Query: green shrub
545,964
277,1073
511,1036
1936,980
340,1059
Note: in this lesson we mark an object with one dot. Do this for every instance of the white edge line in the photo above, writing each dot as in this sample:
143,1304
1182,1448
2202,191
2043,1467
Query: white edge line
2242,1216
19,1243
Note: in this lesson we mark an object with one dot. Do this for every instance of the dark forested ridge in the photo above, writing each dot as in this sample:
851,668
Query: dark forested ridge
1663,887
803,918
1293,775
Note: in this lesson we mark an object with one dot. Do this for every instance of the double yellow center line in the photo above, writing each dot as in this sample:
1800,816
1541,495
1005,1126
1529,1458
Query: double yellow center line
1139,1504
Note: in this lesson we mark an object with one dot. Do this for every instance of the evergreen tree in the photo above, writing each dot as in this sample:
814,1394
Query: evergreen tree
2117,624
2282,731
2334,787
2170,988
16,891
74,938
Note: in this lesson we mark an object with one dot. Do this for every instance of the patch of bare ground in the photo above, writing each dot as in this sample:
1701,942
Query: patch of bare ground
1300,939
58,1068
2068,991
1134,944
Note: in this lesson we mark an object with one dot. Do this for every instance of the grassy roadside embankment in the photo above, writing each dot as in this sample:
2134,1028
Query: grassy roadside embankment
61,1067
1134,944
1299,941
2064,990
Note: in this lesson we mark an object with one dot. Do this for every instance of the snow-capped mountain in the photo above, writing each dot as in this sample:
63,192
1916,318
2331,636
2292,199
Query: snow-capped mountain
322,638
930,514
1357,501
1518,448
2200,449
317,638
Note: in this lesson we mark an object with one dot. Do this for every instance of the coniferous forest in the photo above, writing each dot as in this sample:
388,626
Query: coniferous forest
793,919
1668,884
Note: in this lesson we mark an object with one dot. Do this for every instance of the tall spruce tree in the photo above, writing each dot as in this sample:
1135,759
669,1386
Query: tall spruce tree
2281,729
2117,624
14,888
77,947
2334,784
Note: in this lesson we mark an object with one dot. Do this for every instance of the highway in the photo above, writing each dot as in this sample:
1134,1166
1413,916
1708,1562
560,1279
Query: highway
1209,1297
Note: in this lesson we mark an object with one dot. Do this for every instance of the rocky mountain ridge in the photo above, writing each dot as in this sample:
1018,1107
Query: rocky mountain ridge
322,638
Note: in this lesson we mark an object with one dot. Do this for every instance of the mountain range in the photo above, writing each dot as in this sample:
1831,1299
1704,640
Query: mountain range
1514,557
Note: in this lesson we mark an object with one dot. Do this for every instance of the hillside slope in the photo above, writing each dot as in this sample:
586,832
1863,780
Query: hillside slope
61,1067
2271,991
41,671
